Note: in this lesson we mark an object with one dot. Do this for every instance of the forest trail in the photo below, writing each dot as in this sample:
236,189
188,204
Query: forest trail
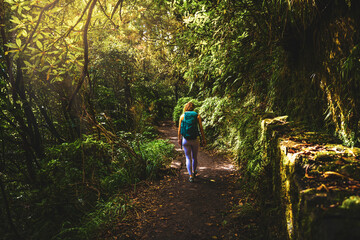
176,209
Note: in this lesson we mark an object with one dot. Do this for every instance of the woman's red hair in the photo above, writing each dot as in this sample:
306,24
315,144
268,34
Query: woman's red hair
189,107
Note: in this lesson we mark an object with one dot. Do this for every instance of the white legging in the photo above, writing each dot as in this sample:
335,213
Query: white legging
191,148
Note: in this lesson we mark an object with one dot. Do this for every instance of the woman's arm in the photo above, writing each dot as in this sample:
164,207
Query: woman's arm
179,129
202,131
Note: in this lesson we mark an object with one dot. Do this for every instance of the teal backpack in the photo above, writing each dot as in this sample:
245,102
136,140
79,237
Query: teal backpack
189,125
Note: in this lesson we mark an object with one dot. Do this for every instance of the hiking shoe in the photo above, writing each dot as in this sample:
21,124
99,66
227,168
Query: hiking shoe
191,179
195,173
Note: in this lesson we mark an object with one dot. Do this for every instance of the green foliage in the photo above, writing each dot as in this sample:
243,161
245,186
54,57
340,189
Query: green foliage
104,216
113,70
352,202
68,160
232,126
155,102
214,113
158,154
69,186
79,175
153,157
350,76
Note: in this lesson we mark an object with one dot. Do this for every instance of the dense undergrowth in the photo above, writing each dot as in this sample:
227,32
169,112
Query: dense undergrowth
83,186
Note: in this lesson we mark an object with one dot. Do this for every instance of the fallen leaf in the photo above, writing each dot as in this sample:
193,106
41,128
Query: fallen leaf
323,186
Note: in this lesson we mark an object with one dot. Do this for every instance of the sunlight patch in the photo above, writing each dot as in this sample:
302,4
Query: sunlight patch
226,167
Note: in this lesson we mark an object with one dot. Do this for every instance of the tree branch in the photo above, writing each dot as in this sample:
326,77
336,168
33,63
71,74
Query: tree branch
86,55
72,27
120,2
110,19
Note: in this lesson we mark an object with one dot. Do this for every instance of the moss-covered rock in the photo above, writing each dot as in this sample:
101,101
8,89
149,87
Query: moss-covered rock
319,187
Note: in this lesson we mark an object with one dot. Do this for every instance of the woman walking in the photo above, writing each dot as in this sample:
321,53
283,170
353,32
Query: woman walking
188,133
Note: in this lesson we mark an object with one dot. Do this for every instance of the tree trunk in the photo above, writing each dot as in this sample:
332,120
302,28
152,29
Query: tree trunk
50,125
23,114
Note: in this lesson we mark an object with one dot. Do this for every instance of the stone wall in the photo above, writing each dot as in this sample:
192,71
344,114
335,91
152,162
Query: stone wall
315,179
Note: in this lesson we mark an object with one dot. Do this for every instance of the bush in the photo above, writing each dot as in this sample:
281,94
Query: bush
85,159
214,113
105,214
67,185
80,178
153,156
158,154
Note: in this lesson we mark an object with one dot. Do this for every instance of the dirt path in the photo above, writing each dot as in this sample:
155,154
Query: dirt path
176,209
193,210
